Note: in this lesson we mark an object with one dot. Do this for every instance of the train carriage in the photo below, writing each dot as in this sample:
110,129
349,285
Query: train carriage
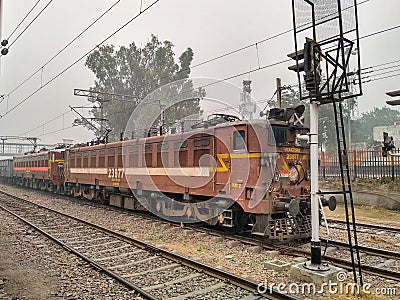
6,170
43,170
226,172
225,163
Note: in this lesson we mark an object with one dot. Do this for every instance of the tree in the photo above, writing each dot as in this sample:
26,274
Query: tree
138,71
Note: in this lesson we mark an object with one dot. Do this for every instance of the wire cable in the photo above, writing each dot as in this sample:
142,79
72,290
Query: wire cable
202,63
64,48
256,44
379,32
15,29
31,22
381,78
79,59
383,64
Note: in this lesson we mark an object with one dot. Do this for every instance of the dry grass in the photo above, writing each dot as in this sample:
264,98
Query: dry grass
368,214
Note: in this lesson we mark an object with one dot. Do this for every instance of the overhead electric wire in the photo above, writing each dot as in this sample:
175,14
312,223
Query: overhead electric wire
64,48
44,124
209,60
379,32
268,100
385,77
82,57
23,19
383,73
379,69
382,64
55,131
53,119
30,23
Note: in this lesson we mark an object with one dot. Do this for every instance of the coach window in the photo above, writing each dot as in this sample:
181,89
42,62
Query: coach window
162,155
72,160
85,159
278,135
102,158
148,155
93,159
79,160
184,155
111,158
133,156
119,157
201,148
239,140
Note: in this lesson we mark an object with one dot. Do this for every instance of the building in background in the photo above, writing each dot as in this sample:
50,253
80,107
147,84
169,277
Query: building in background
392,130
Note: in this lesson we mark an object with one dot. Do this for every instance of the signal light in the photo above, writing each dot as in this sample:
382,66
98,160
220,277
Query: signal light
304,58
307,61
388,144
297,56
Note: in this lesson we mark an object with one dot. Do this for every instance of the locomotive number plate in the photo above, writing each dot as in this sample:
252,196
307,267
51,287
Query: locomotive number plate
292,156
115,173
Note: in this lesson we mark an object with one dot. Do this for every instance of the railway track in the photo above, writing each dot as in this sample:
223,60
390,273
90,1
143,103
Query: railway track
381,265
338,257
379,256
342,226
153,272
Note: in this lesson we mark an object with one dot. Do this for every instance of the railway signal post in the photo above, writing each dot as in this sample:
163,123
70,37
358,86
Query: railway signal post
324,61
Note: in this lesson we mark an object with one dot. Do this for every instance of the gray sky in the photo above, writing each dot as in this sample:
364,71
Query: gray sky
210,28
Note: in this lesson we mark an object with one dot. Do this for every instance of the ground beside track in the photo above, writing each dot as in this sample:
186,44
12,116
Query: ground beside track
34,268
368,214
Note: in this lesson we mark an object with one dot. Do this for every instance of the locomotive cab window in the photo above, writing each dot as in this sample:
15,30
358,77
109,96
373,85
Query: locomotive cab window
239,140
278,135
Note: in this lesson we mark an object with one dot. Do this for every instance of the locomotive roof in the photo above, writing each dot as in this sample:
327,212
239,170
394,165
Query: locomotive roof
171,137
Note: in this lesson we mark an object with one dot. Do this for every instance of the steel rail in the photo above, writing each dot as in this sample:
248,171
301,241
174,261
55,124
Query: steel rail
367,225
85,258
218,273
368,250
255,242
385,273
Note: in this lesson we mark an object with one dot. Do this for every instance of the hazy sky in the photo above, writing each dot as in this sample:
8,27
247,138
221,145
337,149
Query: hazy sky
210,28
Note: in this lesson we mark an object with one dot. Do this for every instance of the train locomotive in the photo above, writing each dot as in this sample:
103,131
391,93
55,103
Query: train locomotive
119,173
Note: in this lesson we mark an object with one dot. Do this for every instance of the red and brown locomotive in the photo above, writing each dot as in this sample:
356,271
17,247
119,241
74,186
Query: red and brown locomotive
263,186
43,170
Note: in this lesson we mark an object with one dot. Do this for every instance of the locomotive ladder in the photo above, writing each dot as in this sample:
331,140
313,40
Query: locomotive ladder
346,190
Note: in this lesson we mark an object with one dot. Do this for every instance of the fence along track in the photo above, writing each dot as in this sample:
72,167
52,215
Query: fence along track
363,164
153,272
